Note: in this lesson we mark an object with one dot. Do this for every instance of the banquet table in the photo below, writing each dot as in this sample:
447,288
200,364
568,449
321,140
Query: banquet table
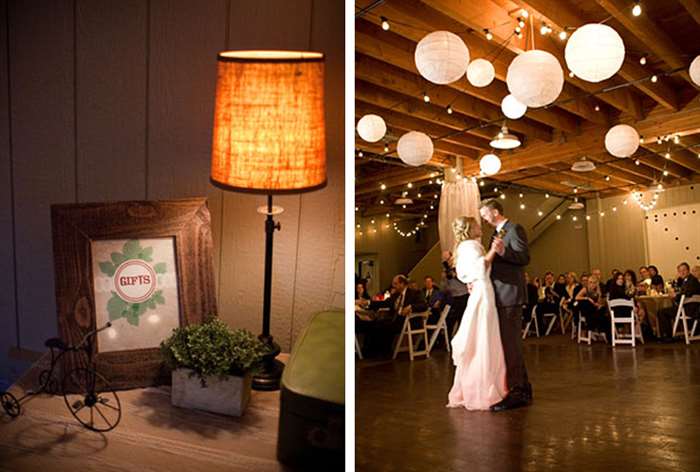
652,305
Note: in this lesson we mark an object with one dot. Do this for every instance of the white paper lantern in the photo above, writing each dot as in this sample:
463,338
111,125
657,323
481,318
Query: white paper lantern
415,148
490,164
694,71
594,52
535,78
442,57
512,108
622,140
480,73
371,128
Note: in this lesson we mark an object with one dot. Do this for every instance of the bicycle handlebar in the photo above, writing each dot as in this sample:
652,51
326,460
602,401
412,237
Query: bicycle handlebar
93,333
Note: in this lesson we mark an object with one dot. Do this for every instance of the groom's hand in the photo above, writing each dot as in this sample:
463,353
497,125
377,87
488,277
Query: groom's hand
499,246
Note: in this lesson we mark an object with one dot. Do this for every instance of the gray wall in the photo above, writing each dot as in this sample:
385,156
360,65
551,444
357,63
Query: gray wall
104,100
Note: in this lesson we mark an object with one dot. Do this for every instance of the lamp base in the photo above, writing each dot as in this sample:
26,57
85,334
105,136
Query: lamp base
268,379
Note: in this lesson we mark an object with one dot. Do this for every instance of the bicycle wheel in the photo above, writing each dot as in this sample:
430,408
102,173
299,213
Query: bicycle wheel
95,405
10,404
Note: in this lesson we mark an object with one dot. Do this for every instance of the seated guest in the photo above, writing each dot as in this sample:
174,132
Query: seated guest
413,285
547,300
591,305
620,290
560,284
599,275
696,271
657,282
362,299
571,288
455,292
630,282
688,285
644,282
533,286
434,298
611,280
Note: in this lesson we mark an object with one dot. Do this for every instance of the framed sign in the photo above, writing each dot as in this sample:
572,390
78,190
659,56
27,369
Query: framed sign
145,267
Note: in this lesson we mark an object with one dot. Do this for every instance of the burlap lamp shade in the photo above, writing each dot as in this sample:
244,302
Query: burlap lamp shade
269,127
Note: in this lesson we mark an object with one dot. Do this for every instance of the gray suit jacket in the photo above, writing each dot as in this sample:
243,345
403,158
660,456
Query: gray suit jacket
508,271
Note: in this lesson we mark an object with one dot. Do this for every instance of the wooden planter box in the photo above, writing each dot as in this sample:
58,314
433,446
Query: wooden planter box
228,396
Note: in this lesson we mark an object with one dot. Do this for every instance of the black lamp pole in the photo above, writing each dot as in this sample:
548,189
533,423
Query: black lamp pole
269,377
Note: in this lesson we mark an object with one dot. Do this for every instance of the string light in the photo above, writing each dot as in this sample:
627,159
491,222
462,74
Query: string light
602,213
420,195
562,35
357,208
426,98
520,195
559,217
636,162
665,173
385,24
597,108
388,215
382,186
539,213
360,154
386,148
518,29
521,23
607,178
643,60
571,74
409,185
638,197
489,36
449,110
381,202
677,139
544,29
574,218
546,195
503,196
667,155
654,79
524,13
522,206
637,9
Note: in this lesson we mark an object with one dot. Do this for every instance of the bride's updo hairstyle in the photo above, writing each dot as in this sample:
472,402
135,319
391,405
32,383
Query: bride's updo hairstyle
464,228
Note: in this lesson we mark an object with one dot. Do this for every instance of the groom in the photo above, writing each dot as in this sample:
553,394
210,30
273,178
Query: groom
508,277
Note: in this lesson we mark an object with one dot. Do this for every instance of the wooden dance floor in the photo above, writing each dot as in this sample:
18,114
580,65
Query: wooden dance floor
153,435
595,408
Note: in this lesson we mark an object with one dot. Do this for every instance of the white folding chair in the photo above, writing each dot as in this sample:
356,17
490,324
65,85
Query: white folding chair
553,320
439,327
631,320
358,350
408,332
681,316
533,319
590,335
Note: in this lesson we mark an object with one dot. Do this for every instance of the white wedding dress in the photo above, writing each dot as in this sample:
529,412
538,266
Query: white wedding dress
477,352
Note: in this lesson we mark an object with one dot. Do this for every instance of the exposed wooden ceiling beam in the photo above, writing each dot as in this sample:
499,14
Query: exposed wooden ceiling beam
455,144
411,107
562,14
644,28
680,156
398,50
408,83
693,7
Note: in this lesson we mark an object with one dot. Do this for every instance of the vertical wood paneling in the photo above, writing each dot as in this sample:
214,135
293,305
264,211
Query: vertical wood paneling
111,99
8,332
184,40
253,25
42,83
321,258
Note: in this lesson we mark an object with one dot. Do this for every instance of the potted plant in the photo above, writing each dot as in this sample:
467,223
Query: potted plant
212,366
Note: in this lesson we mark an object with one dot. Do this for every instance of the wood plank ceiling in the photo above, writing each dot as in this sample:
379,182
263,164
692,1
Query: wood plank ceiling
387,83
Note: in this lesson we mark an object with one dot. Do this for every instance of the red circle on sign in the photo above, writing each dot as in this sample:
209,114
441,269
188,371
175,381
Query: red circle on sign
135,267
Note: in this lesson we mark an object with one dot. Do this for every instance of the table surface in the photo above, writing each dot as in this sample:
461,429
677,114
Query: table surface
152,435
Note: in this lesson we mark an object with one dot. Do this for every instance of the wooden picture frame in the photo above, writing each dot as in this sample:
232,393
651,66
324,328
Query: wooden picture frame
78,229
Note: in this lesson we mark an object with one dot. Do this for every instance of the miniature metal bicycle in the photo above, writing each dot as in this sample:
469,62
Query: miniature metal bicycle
86,392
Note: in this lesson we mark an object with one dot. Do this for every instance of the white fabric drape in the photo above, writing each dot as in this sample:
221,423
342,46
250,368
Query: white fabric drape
459,198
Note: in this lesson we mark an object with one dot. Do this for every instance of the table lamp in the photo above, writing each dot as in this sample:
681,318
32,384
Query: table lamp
269,138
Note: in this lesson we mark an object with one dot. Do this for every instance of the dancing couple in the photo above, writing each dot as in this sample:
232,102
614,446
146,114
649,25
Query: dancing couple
487,349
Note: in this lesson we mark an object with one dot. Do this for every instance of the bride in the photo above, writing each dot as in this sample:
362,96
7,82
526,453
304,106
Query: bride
480,377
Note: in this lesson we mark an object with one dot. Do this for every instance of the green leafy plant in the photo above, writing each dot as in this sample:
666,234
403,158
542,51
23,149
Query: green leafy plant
211,348
118,307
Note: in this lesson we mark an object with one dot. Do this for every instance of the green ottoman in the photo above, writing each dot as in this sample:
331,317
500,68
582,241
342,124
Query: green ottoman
312,397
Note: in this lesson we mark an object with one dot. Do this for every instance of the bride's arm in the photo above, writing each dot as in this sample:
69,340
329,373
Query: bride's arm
490,255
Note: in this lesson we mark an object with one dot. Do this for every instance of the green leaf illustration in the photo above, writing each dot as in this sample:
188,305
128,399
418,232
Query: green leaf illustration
116,307
146,254
132,318
131,249
160,268
151,303
158,297
117,258
108,268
